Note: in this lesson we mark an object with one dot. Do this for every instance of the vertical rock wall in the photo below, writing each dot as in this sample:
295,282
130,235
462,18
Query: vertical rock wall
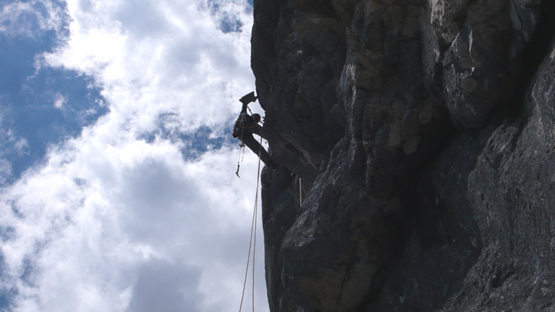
419,136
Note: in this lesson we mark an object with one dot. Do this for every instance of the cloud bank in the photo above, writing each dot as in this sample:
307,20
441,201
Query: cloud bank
125,216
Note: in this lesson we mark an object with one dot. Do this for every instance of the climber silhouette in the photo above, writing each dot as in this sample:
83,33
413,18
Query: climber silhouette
247,125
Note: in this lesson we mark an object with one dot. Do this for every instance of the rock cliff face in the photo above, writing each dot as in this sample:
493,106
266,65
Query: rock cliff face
416,143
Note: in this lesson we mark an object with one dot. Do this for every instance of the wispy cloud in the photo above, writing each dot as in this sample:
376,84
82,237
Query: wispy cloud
31,18
5,170
59,101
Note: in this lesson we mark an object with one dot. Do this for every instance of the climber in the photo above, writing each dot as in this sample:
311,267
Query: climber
247,125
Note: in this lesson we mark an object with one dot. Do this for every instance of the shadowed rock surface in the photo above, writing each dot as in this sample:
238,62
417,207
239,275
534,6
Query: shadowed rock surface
420,136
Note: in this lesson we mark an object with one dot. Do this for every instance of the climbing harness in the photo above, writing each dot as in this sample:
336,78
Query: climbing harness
242,147
252,242
251,127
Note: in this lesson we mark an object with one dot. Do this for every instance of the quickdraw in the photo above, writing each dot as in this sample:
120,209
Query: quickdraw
241,155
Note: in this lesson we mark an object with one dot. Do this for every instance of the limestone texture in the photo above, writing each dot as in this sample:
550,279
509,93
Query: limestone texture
416,149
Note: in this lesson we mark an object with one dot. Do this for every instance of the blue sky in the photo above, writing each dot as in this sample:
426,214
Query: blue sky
117,184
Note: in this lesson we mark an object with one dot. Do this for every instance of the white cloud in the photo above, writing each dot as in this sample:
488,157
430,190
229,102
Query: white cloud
161,286
180,63
111,222
96,217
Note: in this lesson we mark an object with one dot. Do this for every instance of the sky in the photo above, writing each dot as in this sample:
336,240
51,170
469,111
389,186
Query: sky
117,168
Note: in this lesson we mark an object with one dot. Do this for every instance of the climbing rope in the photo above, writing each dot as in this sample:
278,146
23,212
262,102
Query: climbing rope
253,237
